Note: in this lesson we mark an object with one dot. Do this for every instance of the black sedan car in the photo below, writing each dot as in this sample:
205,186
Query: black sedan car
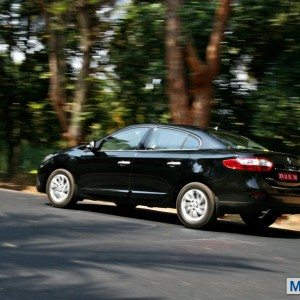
203,173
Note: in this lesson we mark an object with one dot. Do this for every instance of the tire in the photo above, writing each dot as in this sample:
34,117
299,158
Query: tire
260,221
196,206
61,189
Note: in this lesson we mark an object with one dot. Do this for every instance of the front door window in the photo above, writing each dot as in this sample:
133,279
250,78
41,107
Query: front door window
124,140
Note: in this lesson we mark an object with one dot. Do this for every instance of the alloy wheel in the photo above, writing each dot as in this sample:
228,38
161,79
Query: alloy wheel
59,188
194,205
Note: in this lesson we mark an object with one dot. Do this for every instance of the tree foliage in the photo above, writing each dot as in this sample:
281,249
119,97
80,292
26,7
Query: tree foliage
137,52
256,92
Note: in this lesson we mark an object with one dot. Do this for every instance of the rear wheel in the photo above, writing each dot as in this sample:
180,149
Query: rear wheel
61,188
260,221
196,207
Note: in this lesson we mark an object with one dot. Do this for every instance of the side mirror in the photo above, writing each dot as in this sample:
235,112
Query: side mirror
95,145
92,146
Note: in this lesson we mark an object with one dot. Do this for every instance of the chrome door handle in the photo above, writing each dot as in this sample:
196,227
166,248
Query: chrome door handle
173,163
124,163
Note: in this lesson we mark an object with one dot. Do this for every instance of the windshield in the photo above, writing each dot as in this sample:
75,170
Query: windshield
236,141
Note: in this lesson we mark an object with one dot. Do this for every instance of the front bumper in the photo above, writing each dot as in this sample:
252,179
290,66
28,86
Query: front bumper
41,181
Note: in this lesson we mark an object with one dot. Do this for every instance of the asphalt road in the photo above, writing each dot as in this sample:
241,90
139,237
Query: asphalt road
98,252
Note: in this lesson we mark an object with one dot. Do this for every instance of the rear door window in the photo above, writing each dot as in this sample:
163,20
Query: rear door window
167,139
191,143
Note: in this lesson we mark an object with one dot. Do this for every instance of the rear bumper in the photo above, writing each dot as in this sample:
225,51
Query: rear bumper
250,193
284,204
234,207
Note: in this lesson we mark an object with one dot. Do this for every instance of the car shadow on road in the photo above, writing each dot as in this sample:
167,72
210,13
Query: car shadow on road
143,213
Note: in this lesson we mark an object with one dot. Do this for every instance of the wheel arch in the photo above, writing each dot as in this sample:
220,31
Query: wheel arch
67,195
51,168
199,179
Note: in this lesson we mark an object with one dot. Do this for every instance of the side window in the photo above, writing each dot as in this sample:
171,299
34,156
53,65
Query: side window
191,143
126,140
167,139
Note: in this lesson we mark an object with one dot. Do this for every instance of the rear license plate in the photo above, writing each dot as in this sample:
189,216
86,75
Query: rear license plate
285,176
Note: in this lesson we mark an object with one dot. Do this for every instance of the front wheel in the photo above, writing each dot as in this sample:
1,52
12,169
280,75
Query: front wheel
260,221
61,188
196,207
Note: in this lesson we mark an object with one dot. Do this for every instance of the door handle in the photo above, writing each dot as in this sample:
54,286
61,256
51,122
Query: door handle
123,163
173,163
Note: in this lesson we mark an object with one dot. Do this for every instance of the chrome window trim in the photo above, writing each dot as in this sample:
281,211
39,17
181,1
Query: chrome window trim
125,129
177,129
155,128
161,150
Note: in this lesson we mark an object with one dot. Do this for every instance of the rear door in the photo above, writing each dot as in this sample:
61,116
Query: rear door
163,163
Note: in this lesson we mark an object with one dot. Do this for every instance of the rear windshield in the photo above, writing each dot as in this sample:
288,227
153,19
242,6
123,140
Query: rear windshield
236,141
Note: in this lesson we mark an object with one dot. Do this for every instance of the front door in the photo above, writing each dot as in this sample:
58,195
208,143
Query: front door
107,171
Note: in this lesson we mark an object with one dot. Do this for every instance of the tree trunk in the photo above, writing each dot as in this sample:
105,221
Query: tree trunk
213,49
203,74
57,84
176,85
200,109
71,123
197,110
202,89
12,117
14,154
82,85
13,132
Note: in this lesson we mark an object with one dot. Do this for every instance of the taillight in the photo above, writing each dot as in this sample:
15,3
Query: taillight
249,164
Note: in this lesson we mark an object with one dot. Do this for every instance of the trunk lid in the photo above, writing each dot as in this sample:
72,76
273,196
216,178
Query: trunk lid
285,171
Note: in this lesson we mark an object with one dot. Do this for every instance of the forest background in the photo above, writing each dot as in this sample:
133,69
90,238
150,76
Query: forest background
75,70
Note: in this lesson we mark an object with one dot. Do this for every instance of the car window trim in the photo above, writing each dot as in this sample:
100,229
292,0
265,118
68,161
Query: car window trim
124,129
170,128
147,136
190,135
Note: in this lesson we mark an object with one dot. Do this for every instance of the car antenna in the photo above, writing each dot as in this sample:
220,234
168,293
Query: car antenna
223,114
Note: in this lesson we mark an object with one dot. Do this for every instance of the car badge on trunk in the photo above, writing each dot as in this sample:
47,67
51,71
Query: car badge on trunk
289,161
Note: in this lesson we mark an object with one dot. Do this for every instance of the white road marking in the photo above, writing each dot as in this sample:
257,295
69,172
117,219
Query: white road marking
9,245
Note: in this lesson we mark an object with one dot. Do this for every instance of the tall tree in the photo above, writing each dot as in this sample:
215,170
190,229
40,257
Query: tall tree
20,79
59,17
86,23
192,96
177,88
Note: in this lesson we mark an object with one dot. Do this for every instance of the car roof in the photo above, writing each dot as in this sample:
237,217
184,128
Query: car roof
191,128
